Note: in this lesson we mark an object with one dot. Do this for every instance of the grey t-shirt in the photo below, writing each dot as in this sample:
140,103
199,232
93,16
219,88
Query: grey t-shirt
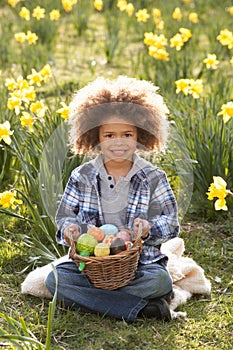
114,195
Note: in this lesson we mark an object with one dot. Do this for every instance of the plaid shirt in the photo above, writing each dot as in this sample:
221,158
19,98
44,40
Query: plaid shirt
150,197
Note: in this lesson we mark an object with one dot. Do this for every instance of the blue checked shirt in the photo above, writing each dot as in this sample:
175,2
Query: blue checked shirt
150,197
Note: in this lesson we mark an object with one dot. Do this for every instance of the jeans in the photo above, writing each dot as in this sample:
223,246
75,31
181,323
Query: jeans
76,291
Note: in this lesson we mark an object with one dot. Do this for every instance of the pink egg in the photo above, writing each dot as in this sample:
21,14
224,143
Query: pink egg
123,234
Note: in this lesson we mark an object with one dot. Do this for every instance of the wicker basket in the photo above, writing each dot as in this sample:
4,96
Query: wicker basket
112,271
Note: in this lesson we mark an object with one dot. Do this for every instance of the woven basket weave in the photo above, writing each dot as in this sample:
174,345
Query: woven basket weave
112,271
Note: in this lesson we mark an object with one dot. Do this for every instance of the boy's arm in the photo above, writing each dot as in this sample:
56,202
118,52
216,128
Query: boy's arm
66,216
163,213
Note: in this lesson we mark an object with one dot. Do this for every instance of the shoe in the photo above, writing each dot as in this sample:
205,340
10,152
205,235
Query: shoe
157,308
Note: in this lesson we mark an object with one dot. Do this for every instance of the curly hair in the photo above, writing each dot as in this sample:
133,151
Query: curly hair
134,101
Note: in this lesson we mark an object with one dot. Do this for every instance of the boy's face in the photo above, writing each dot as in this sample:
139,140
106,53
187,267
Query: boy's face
117,140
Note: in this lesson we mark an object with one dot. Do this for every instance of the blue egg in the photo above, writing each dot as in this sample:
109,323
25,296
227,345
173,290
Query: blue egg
109,229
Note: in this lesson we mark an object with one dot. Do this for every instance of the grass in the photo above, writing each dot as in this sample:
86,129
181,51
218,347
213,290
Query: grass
209,319
209,322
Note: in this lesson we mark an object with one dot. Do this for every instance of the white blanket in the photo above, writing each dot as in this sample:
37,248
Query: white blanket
187,276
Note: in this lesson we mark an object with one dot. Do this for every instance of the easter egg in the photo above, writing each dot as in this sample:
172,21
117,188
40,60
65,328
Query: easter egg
86,243
124,234
108,239
102,249
128,245
96,232
109,229
117,246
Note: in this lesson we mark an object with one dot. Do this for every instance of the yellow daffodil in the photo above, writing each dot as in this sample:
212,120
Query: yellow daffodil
177,14
122,4
177,41
211,61
231,61
5,132
8,200
29,94
31,38
186,1
159,54
142,15
218,189
158,41
54,15
98,5
46,72
227,111
11,84
149,38
156,13
196,88
13,3
38,108
24,13
226,38
185,33
68,4
20,37
27,120
230,10
193,17
129,9
15,101
38,13
189,86
35,78
182,85
159,24
64,111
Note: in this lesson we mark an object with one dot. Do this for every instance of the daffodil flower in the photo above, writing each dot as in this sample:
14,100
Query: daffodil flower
211,61
24,13
121,4
177,14
226,111
8,200
5,132
218,189
193,17
64,111
54,15
35,78
98,5
142,15
38,13
27,121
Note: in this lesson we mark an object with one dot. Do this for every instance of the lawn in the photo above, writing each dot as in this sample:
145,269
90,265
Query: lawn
209,319
171,46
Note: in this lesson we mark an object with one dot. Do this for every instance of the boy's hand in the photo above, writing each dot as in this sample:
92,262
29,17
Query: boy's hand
145,227
71,233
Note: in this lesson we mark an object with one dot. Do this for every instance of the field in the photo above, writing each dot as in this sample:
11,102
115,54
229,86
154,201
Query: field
48,50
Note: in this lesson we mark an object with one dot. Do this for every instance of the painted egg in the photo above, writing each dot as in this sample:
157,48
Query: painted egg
124,234
102,249
117,246
109,229
128,245
96,232
109,239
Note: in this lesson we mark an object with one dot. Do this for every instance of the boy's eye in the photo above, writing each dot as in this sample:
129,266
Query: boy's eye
128,134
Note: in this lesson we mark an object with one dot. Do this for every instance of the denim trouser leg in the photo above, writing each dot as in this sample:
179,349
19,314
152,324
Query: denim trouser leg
75,289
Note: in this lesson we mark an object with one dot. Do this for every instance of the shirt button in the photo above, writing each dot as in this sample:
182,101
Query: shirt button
111,186
109,178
